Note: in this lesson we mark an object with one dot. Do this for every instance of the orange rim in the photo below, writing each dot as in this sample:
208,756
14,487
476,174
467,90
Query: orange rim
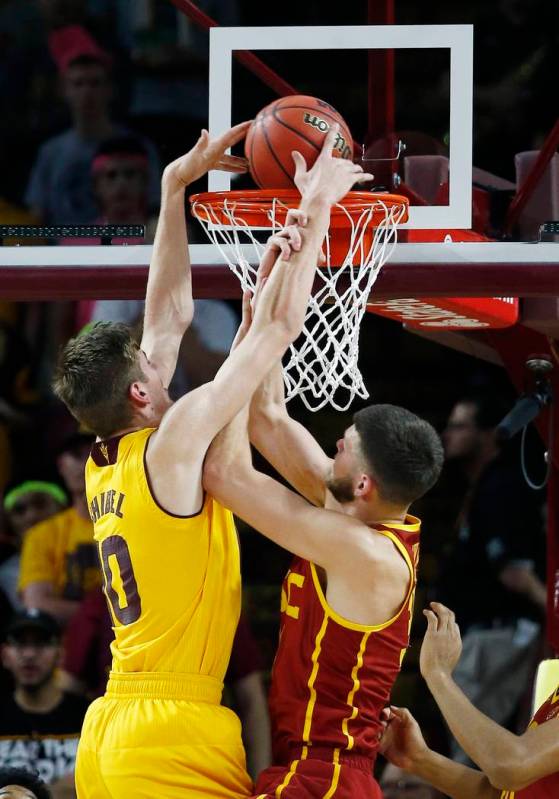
253,207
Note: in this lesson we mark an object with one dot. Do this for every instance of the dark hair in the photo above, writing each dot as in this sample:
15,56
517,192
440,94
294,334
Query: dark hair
403,452
93,376
489,408
119,145
25,779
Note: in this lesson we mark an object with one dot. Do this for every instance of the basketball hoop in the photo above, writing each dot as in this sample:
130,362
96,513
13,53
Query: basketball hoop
322,364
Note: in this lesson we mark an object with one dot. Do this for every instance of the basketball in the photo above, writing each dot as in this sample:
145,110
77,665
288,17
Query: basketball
296,122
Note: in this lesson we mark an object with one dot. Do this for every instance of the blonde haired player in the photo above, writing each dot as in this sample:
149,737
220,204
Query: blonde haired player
169,551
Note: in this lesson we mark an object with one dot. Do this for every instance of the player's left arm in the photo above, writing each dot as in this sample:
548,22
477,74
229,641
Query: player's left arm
287,445
510,761
280,514
169,304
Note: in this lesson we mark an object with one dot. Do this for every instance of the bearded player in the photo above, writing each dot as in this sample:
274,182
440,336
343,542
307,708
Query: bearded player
169,550
346,602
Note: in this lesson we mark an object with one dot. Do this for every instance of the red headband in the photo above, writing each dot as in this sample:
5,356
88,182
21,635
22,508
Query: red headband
103,160
72,42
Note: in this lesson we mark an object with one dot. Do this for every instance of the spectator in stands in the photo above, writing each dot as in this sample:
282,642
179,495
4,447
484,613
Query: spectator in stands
120,176
492,578
20,783
87,661
59,561
59,189
39,723
120,171
25,505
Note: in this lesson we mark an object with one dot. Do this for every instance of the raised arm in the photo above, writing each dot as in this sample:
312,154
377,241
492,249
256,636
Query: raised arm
169,305
511,762
285,443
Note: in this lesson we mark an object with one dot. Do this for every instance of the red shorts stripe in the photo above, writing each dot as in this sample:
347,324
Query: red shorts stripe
317,779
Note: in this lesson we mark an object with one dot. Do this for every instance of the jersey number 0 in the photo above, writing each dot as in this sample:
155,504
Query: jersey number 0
121,588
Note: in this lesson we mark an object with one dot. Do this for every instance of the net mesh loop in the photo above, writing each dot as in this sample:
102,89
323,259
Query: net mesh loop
322,365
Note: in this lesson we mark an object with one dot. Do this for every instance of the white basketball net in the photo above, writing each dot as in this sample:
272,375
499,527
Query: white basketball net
321,365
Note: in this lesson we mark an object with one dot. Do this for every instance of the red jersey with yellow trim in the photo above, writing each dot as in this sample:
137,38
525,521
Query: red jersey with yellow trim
547,787
331,677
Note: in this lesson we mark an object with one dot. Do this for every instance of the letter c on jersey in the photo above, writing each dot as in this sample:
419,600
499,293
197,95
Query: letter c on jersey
293,579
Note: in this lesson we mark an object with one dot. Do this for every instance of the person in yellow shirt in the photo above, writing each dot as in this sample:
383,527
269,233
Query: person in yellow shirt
25,505
169,551
59,561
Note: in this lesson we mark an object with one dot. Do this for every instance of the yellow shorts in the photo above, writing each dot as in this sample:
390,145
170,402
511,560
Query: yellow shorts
161,738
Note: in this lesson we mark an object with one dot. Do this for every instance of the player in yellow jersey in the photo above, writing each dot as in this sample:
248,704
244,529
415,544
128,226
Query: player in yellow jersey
169,551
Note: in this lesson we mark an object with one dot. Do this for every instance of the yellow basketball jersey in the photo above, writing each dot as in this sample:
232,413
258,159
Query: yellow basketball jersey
173,583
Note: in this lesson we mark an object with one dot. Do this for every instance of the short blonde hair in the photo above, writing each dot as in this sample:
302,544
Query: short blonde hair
94,372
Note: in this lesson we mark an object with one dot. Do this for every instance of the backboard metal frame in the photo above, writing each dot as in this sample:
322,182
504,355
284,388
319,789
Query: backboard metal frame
456,38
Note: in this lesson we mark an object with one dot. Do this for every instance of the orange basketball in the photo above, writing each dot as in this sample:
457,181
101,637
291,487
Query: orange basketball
296,122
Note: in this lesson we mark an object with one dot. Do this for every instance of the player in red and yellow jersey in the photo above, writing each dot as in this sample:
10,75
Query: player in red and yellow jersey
169,550
347,599
330,697
512,766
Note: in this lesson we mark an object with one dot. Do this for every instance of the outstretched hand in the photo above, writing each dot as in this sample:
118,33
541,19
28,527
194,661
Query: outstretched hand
330,177
402,742
209,154
442,645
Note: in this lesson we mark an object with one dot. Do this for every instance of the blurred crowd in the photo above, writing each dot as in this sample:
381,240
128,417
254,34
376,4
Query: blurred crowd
94,97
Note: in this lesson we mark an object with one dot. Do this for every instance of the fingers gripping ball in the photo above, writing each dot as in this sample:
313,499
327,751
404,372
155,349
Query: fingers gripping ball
297,122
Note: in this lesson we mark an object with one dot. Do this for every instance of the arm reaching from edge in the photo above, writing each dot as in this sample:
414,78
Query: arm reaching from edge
511,762
403,745
169,303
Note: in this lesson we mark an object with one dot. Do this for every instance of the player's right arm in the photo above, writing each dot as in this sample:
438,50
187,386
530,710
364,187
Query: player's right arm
403,745
169,304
